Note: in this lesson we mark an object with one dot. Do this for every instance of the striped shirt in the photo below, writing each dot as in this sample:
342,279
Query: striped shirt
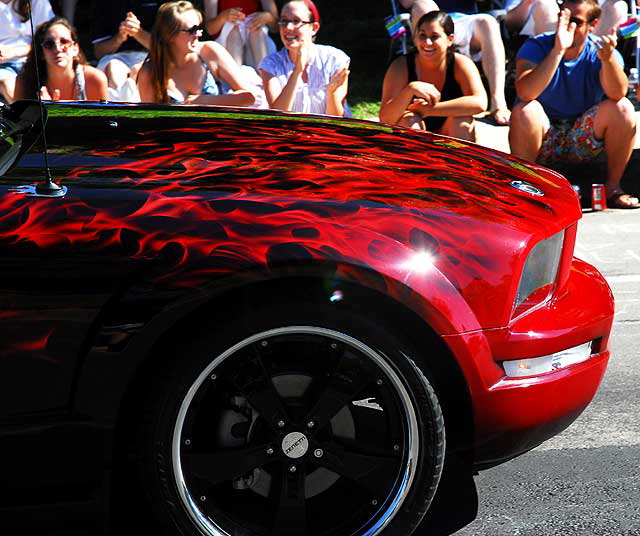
311,97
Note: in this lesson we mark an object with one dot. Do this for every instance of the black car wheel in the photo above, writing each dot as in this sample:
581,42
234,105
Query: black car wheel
295,428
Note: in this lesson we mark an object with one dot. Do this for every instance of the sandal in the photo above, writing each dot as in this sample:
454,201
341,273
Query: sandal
501,116
618,199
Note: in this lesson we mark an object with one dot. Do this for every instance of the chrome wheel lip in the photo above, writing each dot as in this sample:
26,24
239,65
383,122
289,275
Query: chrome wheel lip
204,523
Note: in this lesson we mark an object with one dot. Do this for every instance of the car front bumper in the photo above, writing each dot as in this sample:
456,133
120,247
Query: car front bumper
513,415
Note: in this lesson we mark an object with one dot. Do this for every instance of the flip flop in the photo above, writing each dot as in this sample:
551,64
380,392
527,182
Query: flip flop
618,199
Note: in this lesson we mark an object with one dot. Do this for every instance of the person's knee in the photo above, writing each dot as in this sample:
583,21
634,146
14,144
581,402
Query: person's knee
7,89
117,72
486,25
527,115
463,127
411,120
618,113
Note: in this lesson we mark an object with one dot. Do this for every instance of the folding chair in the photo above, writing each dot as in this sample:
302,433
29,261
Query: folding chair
399,31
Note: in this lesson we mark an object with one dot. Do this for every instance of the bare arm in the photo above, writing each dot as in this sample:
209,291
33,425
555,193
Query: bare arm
129,27
224,68
474,96
532,79
96,83
215,21
612,76
145,86
283,98
397,92
337,92
9,53
515,18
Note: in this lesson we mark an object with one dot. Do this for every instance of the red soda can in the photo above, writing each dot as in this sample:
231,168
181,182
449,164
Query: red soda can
598,198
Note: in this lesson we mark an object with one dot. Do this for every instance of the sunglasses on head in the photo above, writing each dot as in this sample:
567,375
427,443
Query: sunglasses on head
50,44
194,30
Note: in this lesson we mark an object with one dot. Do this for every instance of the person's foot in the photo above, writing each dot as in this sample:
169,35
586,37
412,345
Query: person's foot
501,116
616,198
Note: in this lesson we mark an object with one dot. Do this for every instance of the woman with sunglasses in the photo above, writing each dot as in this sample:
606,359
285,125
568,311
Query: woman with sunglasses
64,73
15,38
305,77
182,70
433,88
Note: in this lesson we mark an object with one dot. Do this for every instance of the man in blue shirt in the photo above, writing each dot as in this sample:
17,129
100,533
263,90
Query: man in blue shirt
572,89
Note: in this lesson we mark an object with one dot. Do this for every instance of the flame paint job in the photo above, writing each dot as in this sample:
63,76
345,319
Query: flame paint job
165,202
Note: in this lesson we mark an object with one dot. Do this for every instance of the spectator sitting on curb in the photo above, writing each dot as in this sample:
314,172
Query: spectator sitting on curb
243,27
120,38
532,17
434,88
561,79
478,37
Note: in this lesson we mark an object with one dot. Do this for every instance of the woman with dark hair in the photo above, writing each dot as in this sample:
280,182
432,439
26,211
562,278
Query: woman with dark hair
303,76
433,88
61,66
15,38
182,70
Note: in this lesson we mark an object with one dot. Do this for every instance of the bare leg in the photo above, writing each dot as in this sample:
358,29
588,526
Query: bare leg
486,38
7,89
545,16
615,123
411,120
460,127
117,72
419,8
258,46
234,44
614,12
529,124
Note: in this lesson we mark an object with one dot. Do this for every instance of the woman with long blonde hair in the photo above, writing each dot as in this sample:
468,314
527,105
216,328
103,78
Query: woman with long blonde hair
182,70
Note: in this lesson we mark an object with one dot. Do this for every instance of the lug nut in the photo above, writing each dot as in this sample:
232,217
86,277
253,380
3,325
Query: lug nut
280,424
318,453
374,502
311,424
396,447
264,343
269,451
379,382
187,441
293,469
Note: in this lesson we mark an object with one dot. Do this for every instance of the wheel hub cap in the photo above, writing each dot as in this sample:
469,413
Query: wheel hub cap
295,445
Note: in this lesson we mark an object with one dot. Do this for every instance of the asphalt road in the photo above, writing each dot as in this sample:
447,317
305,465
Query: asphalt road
586,481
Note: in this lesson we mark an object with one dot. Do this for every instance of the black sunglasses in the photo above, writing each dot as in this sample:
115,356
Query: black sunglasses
194,30
50,44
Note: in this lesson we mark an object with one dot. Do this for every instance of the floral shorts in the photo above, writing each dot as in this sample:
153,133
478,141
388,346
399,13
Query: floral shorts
571,141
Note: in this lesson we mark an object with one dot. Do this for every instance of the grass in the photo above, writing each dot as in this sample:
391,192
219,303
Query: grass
365,109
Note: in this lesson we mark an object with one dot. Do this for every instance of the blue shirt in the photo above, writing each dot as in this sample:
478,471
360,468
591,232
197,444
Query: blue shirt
575,86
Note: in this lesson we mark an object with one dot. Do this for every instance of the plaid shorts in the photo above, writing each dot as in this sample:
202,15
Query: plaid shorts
571,140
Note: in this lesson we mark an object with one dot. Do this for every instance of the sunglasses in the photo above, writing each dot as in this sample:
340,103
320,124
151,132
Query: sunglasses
194,30
50,44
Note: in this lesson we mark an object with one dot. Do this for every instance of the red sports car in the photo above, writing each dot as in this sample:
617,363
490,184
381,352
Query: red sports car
221,322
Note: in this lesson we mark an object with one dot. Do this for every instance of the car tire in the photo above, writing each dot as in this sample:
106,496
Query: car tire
292,420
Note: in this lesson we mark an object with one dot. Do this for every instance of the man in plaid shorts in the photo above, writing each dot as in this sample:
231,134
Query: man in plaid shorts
572,86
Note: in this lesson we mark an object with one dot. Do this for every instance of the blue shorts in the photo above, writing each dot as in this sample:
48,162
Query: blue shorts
10,69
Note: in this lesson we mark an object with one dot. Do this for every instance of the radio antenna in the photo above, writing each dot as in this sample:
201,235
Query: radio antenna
48,188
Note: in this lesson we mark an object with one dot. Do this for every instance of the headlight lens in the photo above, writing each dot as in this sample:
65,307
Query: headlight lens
540,271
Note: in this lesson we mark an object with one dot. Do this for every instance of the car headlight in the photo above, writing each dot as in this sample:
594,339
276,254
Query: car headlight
540,271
